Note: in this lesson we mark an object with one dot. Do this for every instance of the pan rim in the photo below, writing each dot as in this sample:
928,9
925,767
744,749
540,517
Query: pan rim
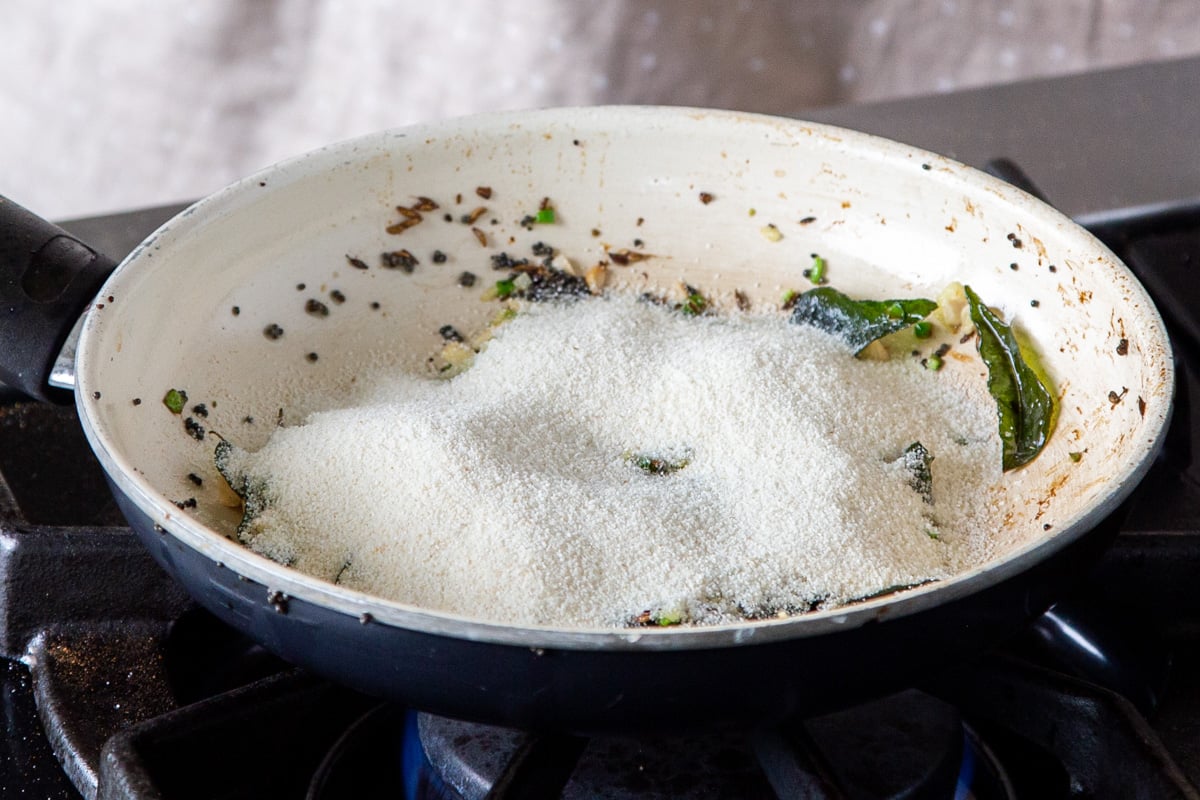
296,585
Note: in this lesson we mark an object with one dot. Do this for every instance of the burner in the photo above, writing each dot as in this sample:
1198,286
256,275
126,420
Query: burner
909,745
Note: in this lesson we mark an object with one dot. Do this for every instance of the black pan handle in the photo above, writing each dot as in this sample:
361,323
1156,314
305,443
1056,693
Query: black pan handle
47,279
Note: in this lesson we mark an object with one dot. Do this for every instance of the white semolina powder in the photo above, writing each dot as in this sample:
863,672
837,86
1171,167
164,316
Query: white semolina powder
517,491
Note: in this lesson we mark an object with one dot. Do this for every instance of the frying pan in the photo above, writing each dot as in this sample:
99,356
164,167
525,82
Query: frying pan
189,307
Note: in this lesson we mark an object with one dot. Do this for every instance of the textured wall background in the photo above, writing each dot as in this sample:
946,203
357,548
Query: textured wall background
116,104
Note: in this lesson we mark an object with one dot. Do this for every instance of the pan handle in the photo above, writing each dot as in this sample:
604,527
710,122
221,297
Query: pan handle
47,279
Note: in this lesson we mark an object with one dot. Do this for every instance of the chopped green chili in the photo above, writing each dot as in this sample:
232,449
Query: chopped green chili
505,287
816,272
175,400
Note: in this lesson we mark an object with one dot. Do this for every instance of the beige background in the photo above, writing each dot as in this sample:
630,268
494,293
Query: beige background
118,104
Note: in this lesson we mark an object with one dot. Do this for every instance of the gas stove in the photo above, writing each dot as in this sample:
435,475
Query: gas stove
115,685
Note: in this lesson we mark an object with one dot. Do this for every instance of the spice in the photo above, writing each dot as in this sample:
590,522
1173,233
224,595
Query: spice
272,331
409,218
337,297
357,263
466,279
316,308
469,219
194,429
706,197
438,257
399,259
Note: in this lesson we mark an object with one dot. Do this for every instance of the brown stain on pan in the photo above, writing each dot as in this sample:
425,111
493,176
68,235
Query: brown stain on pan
1056,484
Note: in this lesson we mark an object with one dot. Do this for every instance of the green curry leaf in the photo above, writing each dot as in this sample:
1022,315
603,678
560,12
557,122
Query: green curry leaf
857,322
1024,404
917,459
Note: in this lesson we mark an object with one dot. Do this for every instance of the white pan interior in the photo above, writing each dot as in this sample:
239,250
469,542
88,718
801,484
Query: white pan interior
893,221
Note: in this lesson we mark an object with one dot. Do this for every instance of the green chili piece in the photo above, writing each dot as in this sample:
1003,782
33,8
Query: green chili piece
544,216
175,400
923,329
694,305
505,287
816,273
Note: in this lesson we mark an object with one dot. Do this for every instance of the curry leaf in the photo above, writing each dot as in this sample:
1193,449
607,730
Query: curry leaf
1024,404
857,322
916,460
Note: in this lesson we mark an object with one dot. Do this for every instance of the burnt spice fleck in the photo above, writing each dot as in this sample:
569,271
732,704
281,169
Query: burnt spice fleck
137,401
1014,266
272,331
200,410
300,287
466,279
503,261
450,333
196,479
316,308
337,297
1122,347
399,259
194,429
95,395
357,263
236,310
1034,303
311,357
438,257
374,305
